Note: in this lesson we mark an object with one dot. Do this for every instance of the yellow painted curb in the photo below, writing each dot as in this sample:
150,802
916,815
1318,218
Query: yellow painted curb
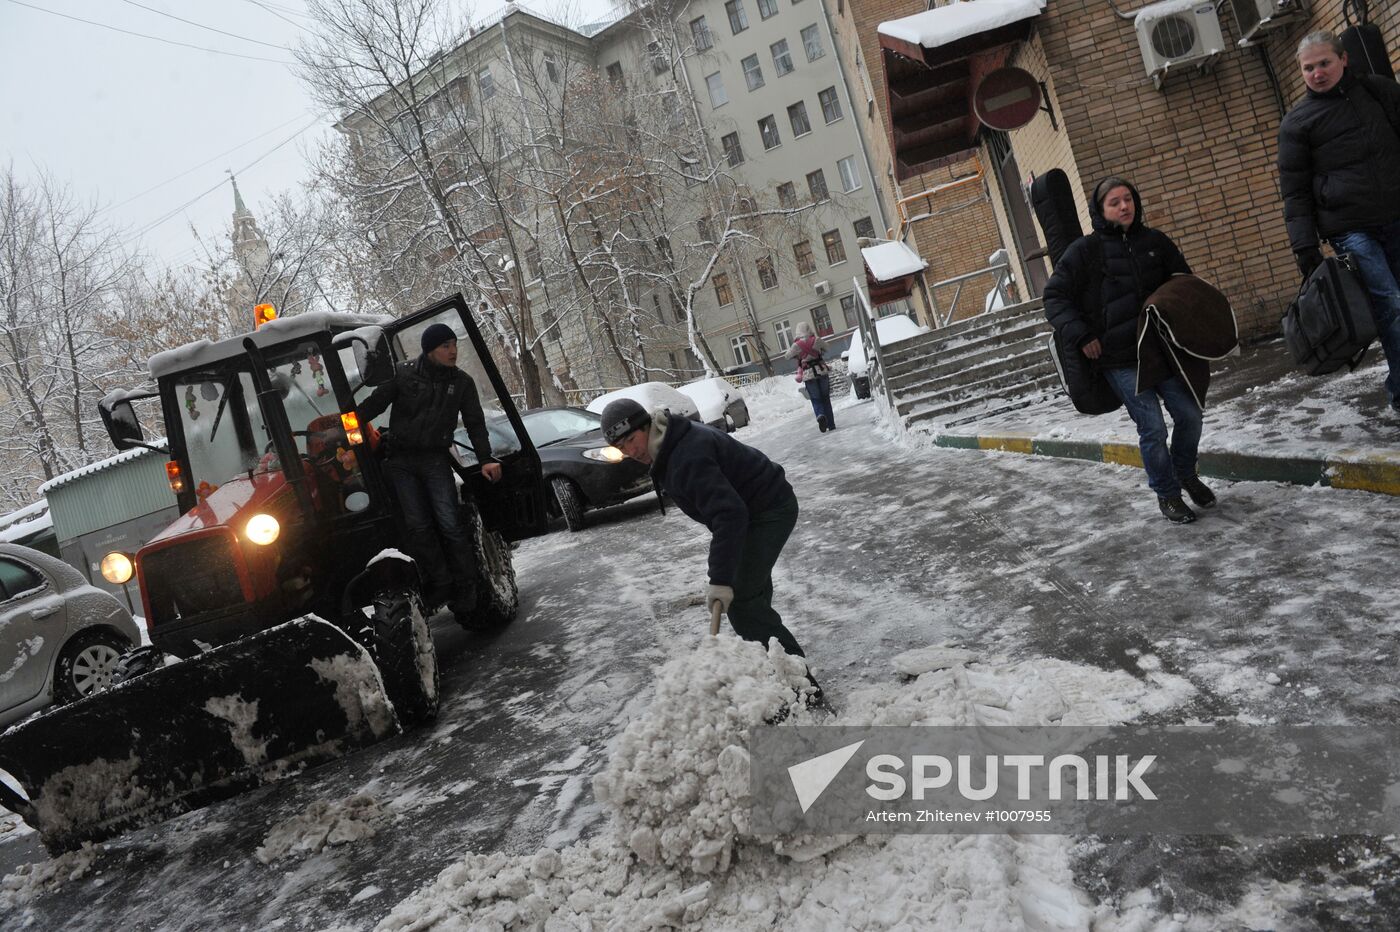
1008,443
1124,454
1368,473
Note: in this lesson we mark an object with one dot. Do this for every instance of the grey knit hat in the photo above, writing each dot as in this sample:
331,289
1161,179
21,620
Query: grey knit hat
621,417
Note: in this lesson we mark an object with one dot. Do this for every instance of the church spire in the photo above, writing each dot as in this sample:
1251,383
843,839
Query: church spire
240,210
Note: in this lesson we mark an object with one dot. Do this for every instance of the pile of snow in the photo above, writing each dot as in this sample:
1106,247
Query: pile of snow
323,824
30,880
677,848
774,399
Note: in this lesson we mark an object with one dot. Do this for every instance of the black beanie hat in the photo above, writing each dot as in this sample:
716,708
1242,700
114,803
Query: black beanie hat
621,417
435,336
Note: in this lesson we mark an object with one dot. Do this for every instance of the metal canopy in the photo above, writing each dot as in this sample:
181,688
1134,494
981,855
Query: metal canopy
929,93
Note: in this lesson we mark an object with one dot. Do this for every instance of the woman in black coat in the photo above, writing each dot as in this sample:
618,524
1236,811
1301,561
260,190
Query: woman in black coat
1094,298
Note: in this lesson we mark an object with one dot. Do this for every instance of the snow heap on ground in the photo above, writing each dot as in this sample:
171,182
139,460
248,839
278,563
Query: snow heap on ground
677,851
323,824
29,880
773,399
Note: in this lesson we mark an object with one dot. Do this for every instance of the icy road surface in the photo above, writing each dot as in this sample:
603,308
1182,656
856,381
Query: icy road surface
1279,606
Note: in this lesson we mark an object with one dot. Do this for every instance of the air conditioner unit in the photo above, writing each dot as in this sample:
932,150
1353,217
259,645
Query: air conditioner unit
823,288
1177,34
1256,17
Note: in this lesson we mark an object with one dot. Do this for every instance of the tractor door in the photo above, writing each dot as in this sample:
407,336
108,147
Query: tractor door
515,506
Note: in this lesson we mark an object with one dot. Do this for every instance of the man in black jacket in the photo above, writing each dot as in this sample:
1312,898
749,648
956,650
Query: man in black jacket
1339,168
734,490
429,394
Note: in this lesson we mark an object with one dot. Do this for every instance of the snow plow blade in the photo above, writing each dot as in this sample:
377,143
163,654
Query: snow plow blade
186,735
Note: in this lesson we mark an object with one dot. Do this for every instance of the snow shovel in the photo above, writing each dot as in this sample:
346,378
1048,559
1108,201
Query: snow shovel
715,613
189,734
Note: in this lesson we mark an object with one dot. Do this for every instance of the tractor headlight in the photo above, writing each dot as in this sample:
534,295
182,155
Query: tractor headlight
117,568
262,529
604,454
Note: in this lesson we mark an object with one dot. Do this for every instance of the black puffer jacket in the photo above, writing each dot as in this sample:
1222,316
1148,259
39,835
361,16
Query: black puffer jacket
1089,299
427,400
1339,160
719,482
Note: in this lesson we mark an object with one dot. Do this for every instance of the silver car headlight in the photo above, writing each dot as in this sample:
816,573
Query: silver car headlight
604,454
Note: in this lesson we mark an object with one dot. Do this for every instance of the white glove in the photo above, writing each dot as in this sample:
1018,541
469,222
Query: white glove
721,594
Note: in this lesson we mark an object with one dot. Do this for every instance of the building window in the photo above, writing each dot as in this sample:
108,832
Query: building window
782,58
741,350
848,310
534,268
738,19
723,294
733,151
753,74
816,184
718,98
787,195
659,65
486,84
690,168
548,321
676,310
615,74
850,174
656,306
806,262
702,226
700,33
768,131
551,68
821,321
797,115
812,42
767,8
783,331
835,249
767,275
831,104
864,228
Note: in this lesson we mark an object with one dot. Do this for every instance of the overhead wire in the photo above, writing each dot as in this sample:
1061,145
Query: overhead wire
142,35
268,8
190,22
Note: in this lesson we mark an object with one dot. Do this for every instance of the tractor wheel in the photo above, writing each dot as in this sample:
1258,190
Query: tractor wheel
138,662
497,596
407,659
86,664
570,502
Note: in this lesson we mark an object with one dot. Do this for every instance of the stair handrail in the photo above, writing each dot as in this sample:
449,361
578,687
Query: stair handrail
870,341
1003,272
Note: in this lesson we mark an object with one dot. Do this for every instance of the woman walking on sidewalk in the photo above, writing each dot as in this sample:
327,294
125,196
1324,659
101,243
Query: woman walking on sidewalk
1094,298
812,372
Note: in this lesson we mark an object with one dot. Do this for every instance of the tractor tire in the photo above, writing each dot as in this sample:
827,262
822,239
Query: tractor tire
403,649
138,662
86,664
497,595
570,502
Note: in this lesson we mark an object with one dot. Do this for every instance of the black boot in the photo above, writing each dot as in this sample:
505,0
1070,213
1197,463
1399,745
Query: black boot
1175,510
821,422
1202,496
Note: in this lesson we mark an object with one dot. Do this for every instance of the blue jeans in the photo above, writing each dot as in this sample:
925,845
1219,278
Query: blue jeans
1377,253
428,500
1165,470
819,391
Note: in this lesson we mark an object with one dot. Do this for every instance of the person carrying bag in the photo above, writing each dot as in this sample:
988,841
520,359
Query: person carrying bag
814,374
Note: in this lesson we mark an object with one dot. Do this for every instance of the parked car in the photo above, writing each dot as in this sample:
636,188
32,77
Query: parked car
890,329
721,404
650,395
583,471
60,636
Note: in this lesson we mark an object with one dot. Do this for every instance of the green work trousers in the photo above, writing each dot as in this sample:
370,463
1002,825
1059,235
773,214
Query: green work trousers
751,613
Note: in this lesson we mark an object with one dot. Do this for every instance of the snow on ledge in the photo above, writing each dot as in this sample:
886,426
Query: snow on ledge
1158,10
947,24
100,465
888,261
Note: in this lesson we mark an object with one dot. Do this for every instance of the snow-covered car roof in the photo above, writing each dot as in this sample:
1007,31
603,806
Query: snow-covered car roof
711,396
203,353
650,395
892,329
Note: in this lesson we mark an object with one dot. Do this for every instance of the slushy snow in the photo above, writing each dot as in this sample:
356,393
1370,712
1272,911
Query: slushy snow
323,824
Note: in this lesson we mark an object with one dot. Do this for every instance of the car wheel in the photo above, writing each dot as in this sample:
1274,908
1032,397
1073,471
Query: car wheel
86,664
570,502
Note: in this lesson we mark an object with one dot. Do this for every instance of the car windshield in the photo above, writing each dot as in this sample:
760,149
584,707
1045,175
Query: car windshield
553,425
503,440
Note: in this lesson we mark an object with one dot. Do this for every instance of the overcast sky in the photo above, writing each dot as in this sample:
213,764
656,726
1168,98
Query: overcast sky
146,129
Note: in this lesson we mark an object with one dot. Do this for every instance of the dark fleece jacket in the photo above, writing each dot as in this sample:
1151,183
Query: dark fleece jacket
428,399
1088,302
1339,159
719,482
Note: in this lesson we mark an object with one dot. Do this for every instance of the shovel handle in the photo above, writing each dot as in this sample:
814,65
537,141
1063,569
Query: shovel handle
715,612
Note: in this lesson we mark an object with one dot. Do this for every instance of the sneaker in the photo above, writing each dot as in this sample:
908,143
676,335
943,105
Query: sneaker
1200,494
821,422
1175,510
